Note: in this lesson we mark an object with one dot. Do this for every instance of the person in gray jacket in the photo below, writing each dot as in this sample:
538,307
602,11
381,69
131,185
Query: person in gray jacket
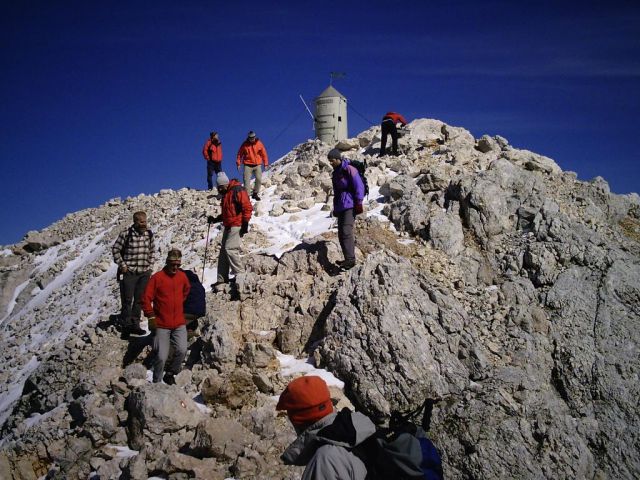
325,437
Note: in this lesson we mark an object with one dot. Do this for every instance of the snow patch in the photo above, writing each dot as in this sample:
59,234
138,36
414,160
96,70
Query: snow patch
291,366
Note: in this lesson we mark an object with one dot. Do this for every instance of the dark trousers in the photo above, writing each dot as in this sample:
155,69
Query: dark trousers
389,128
212,167
132,287
346,220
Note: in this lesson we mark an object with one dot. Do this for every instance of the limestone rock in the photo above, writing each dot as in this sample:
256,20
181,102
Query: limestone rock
221,438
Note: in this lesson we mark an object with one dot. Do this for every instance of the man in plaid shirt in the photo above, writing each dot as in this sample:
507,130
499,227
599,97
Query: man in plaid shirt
133,251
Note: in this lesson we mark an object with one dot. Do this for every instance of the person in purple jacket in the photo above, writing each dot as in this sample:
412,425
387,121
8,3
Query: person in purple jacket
348,192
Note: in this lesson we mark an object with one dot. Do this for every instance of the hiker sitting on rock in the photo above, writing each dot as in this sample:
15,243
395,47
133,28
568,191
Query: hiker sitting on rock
388,127
162,304
348,193
236,213
325,438
133,251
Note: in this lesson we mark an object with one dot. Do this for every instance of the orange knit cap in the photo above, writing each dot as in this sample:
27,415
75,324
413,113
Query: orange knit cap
306,400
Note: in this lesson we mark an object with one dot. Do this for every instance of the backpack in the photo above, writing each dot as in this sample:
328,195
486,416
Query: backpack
361,167
195,303
402,451
236,200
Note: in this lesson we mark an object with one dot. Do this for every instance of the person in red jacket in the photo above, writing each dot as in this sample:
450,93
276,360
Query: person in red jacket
253,155
388,126
162,304
212,153
236,213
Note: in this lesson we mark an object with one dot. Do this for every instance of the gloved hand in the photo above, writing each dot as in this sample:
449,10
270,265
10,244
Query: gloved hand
212,219
244,229
358,209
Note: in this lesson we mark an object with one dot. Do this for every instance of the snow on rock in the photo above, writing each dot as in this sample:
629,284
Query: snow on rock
488,280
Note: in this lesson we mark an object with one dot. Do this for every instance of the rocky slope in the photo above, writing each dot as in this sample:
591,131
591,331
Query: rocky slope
488,280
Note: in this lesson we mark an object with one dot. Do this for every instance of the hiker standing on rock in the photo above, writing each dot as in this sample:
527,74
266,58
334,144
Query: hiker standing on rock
348,193
162,303
325,438
212,152
133,251
236,212
389,127
253,155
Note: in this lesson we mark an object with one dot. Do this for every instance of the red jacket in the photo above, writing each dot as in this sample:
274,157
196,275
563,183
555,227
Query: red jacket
396,117
163,298
236,206
212,151
252,154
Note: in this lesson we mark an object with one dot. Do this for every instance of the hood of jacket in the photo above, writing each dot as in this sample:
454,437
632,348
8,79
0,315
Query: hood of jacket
344,429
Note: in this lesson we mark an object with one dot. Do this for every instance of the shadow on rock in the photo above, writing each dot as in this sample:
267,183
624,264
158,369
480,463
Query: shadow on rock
135,348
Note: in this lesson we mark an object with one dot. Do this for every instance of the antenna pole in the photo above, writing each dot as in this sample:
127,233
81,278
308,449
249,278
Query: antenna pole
305,106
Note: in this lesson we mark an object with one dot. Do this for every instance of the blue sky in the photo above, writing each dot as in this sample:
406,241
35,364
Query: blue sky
112,99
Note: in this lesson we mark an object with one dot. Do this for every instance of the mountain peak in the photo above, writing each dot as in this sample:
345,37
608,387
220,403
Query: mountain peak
487,280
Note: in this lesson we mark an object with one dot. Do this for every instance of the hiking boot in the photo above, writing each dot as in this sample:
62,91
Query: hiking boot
219,286
346,264
136,330
169,379
255,196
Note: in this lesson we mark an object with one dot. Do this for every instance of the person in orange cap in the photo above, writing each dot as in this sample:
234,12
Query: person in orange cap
325,437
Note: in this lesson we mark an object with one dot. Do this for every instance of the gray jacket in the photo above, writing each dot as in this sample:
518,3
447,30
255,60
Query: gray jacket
325,447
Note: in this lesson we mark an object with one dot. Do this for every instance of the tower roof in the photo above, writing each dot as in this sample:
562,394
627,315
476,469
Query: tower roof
330,92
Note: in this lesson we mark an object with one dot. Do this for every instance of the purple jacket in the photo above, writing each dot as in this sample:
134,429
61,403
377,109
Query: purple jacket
348,189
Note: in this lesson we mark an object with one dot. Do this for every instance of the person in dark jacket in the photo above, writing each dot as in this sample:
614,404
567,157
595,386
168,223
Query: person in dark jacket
236,213
163,305
388,127
348,193
133,251
212,153
325,438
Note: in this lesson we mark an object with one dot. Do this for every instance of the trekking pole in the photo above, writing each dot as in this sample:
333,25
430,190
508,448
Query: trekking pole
206,245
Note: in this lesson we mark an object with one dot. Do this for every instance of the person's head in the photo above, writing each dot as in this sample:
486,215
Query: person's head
306,400
174,260
252,136
213,135
140,221
335,157
223,182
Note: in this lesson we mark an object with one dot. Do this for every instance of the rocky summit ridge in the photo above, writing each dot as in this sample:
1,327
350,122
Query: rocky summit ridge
488,280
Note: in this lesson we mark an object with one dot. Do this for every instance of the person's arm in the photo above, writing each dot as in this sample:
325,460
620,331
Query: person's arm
116,250
152,250
247,208
402,120
205,150
240,156
148,296
358,185
263,154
